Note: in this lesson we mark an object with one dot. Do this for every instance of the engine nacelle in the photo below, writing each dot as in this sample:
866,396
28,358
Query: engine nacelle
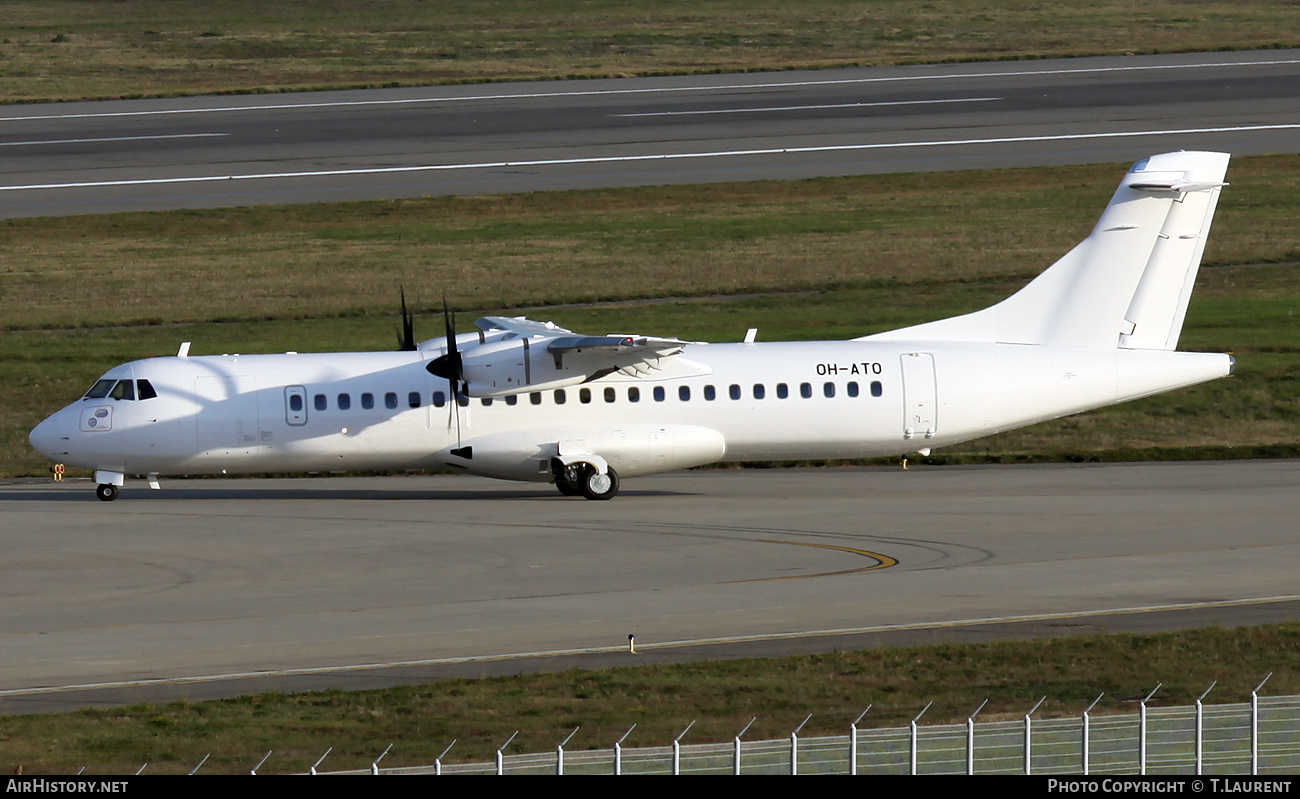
518,365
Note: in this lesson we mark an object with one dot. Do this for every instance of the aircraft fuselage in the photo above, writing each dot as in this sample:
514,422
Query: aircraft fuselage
744,402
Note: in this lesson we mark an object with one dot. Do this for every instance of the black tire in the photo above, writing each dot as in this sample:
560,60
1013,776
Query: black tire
600,486
107,492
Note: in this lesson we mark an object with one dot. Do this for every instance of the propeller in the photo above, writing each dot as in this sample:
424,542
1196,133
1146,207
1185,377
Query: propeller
406,335
451,368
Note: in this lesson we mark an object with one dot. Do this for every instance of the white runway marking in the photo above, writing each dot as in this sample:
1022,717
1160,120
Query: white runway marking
649,157
110,138
656,90
807,107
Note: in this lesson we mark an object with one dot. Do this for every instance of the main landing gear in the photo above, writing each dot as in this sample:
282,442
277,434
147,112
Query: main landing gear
106,492
582,479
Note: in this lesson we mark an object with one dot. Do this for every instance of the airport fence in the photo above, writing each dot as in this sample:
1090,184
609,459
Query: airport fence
1256,738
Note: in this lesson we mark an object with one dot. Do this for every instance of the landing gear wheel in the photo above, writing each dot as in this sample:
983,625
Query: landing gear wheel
600,486
569,480
106,492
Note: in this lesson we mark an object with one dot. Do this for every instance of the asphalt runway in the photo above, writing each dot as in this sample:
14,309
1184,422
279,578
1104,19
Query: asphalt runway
71,158
219,587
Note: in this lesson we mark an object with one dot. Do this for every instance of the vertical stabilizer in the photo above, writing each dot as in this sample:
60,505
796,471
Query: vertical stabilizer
1127,285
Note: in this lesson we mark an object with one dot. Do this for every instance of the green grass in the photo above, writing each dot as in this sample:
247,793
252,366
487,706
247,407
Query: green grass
421,720
74,49
831,258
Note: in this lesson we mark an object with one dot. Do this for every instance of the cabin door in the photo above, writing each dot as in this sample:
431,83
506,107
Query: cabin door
919,396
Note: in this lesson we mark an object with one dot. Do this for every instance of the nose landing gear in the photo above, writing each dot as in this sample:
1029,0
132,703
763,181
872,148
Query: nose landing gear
107,483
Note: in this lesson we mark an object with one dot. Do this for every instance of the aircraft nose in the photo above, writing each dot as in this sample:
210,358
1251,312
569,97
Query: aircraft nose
45,437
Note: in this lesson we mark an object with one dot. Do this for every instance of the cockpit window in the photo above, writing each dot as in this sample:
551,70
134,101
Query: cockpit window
145,389
100,389
124,390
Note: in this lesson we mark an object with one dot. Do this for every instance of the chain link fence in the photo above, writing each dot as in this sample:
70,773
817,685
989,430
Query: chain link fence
1259,737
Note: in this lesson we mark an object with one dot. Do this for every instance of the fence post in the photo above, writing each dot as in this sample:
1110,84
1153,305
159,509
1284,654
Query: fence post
312,770
911,761
735,761
618,751
500,758
260,762
677,749
1029,735
1200,726
970,738
794,747
559,751
1142,731
374,767
853,743
1087,731
1254,727
437,763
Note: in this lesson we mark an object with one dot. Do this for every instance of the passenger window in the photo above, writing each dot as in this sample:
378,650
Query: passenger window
710,393
512,400
876,388
146,390
684,393
413,399
367,401
782,391
805,390
535,398
584,396
634,394
295,403
100,389
345,402
320,402
462,399
759,391
853,388
734,391
610,394
390,401
124,390
659,393
560,398
828,389
487,401
439,399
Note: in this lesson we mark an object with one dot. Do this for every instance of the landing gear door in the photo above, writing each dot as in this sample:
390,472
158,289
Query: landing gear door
919,400
295,405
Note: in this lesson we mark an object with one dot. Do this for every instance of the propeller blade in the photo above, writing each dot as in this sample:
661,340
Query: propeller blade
406,336
449,366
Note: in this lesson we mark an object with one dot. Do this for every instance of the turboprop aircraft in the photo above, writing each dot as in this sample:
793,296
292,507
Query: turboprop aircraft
525,400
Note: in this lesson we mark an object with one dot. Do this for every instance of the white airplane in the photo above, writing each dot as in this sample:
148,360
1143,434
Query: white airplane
524,400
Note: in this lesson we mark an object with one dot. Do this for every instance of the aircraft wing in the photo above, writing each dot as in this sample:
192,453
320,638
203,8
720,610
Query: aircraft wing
519,326
617,348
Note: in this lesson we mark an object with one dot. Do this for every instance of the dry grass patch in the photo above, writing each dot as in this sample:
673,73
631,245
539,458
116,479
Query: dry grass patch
74,49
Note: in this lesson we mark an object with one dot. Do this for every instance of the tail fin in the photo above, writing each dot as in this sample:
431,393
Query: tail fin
1127,284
